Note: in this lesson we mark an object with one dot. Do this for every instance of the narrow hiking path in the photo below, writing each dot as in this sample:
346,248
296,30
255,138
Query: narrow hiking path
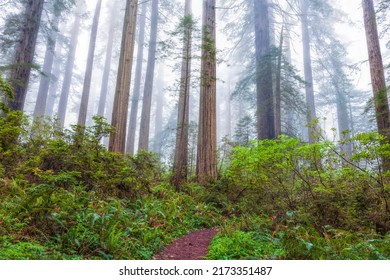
193,246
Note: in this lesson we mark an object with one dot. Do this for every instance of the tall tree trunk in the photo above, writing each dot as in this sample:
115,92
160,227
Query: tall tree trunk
24,53
88,71
63,103
148,88
137,83
206,162
180,164
43,90
265,100
278,89
290,111
121,99
311,115
107,63
54,82
377,75
158,123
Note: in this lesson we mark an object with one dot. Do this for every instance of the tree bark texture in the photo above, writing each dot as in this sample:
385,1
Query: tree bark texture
180,164
24,53
44,84
289,109
377,75
121,99
311,114
206,162
376,69
265,99
149,78
278,89
89,67
137,83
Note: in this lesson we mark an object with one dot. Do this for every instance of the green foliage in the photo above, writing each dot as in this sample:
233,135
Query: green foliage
64,196
47,222
6,93
274,176
251,237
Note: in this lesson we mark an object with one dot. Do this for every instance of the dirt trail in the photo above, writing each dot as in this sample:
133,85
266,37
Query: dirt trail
193,246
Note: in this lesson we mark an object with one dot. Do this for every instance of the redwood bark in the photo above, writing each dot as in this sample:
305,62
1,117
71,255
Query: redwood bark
377,74
265,99
278,90
121,99
206,162
149,79
180,165
376,69
40,105
137,83
24,53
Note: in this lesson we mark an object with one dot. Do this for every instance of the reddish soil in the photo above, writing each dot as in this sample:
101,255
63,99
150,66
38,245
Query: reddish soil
193,246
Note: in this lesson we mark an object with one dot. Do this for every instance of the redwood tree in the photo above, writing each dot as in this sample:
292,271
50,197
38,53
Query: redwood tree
311,114
107,63
206,162
24,53
265,105
63,103
40,106
180,164
137,82
377,74
121,99
89,67
149,77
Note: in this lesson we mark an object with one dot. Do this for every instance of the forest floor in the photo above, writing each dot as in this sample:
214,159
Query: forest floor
193,246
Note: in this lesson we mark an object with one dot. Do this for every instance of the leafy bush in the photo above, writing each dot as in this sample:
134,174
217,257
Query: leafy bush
271,177
262,238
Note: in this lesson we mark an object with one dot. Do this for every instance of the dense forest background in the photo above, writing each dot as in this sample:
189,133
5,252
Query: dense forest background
126,124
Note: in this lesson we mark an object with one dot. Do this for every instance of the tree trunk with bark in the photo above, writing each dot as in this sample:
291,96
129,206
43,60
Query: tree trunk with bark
206,162
137,83
121,100
88,71
107,63
44,84
24,53
289,109
149,77
54,82
180,164
377,75
265,98
311,114
278,89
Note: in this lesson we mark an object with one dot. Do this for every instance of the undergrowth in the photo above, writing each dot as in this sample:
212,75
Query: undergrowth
63,195
260,238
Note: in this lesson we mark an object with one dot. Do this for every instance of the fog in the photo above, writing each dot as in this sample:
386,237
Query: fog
233,55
